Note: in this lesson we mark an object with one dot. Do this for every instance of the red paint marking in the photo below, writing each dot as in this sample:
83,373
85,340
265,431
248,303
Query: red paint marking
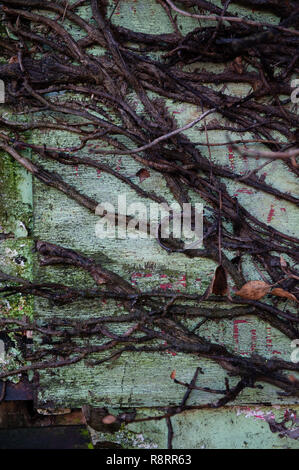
253,340
76,171
231,157
165,344
243,190
118,164
183,281
133,276
165,286
283,209
236,331
99,173
276,352
163,275
271,213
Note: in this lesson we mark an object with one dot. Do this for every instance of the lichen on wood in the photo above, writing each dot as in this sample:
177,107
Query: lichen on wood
106,106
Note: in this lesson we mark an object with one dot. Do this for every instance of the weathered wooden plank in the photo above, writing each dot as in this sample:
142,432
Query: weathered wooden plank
144,380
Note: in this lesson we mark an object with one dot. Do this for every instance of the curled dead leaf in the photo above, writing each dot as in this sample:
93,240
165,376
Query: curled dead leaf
13,60
173,374
283,293
254,290
238,65
219,283
143,174
109,419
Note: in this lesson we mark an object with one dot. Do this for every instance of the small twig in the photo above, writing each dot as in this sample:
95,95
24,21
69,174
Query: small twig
231,19
166,136
170,432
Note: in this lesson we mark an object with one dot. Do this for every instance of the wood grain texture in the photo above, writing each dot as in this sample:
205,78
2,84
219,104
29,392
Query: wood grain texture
144,380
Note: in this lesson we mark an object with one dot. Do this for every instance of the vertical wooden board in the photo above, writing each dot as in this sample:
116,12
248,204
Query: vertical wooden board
15,250
144,380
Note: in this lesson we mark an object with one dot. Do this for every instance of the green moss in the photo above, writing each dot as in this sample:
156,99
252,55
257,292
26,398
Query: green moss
16,200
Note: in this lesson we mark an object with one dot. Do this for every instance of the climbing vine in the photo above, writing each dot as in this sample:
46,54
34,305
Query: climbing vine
42,59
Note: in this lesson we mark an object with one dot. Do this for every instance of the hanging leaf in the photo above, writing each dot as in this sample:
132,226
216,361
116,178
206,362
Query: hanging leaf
13,60
143,174
238,65
283,293
109,419
254,290
219,283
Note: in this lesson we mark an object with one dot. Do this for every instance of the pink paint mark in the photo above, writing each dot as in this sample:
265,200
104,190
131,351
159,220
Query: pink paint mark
76,171
163,275
243,190
99,173
253,340
236,332
119,163
182,281
231,157
166,286
271,213
165,344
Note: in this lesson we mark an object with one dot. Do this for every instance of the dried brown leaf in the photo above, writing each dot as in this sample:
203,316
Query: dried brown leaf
238,65
254,290
13,60
219,284
143,174
173,374
109,419
283,293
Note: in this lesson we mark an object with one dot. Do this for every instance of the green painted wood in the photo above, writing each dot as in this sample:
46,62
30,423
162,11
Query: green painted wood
233,427
143,380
